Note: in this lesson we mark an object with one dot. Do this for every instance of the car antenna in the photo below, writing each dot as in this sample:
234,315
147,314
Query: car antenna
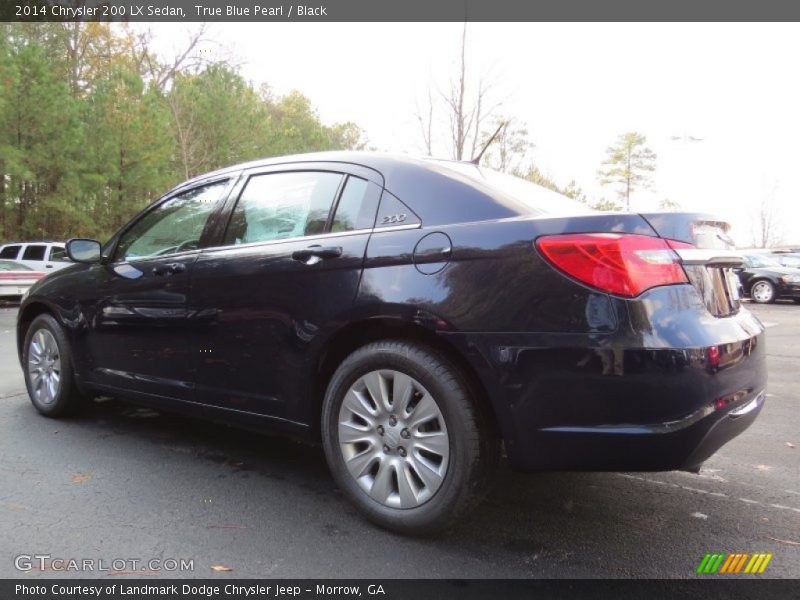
477,160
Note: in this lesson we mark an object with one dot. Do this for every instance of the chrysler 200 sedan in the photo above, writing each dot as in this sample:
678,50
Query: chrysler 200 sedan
421,318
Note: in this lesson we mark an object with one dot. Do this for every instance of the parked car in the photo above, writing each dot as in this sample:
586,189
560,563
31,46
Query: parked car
414,316
39,256
765,279
16,279
788,259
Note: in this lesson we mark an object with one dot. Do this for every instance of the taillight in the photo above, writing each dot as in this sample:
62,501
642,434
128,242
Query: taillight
618,263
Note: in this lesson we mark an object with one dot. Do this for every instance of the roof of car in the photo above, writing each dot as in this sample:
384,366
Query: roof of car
434,189
30,242
378,161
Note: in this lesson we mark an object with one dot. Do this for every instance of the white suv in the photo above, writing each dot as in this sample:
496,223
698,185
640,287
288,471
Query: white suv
41,256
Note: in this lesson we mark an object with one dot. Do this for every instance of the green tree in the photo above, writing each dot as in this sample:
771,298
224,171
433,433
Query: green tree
40,140
628,165
93,126
533,174
509,149
667,204
130,148
574,191
218,119
605,204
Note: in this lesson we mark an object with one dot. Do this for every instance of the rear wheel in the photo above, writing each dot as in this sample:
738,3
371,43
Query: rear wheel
404,437
763,292
47,362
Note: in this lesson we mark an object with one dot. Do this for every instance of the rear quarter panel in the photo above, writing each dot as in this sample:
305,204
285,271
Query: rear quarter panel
494,280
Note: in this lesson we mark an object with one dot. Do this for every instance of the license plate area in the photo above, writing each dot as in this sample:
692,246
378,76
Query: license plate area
718,287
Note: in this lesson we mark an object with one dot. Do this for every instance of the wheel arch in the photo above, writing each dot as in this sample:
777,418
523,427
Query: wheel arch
26,316
357,334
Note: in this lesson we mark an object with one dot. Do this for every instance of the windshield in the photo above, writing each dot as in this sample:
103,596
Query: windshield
533,198
761,262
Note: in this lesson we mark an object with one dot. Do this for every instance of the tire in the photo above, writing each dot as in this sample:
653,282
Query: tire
762,292
45,338
442,466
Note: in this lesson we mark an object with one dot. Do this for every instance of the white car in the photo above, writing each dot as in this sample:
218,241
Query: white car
16,278
39,256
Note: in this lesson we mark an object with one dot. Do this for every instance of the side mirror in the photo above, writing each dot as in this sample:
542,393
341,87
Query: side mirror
83,251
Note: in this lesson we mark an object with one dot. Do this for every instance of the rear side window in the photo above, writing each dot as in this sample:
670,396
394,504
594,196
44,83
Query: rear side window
357,205
34,252
9,252
277,206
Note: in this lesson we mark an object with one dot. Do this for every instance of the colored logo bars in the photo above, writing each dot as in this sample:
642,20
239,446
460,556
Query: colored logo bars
740,562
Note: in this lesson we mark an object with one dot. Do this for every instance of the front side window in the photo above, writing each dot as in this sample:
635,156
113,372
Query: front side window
277,206
58,254
34,252
174,226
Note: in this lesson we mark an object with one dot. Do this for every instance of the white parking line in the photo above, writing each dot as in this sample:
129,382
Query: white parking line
708,493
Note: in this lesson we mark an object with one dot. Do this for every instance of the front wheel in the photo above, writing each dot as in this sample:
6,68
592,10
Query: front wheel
405,437
47,363
763,292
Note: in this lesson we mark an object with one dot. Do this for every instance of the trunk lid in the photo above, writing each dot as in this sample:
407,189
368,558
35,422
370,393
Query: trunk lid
709,264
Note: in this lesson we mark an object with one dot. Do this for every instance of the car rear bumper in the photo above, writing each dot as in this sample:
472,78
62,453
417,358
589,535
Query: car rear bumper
13,290
683,444
665,391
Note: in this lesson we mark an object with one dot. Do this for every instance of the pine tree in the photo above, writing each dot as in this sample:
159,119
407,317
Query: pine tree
628,165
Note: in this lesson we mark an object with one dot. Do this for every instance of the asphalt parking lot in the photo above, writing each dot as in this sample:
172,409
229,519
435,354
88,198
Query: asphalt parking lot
125,482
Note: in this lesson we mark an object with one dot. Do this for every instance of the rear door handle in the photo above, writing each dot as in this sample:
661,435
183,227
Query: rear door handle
169,269
313,254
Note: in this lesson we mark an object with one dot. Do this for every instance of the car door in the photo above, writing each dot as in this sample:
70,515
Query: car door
139,339
56,258
33,256
287,268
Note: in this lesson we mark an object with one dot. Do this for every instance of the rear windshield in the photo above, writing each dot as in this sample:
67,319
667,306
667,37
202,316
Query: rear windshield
10,265
789,261
9,252
528,197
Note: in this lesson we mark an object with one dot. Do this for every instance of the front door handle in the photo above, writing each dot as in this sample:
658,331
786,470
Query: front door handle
169,269
314,254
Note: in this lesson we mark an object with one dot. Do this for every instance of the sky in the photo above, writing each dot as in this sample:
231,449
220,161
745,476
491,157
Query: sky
576,86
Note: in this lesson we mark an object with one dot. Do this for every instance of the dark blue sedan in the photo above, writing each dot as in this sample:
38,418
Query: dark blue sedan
417,317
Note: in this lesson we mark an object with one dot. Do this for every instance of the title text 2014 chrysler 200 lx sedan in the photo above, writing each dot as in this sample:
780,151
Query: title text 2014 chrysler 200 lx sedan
416,316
